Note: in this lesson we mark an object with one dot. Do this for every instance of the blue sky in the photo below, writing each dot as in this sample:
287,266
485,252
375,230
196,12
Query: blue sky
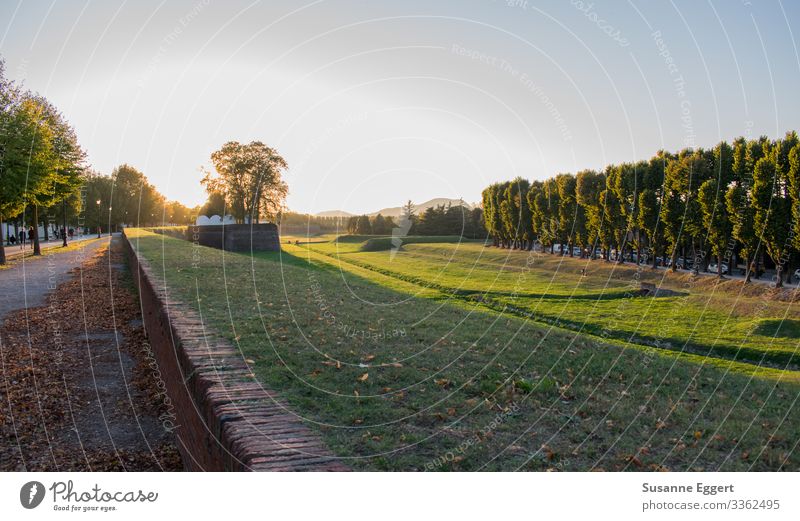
376,102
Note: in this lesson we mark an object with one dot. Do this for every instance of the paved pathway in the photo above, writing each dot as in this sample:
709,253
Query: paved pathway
13,252
26,283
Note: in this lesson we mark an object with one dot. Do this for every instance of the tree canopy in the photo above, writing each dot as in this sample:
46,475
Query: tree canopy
249,178
684,208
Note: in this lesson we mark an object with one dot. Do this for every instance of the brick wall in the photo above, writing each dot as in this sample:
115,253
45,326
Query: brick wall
226,420
237,237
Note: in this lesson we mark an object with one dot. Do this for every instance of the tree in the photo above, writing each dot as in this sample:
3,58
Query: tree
17,128
215,205
711,196
363,226
770,201
380,225
677,193
794,190
36,172
177,213
589,185
492,219
250,177
96,197
407,220
650,205
571,218
615,213
352,225
133,201
700,202
516,213
69,163
737,202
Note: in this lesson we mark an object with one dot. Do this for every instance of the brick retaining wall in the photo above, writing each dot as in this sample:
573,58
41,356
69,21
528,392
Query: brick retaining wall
226,419
237,237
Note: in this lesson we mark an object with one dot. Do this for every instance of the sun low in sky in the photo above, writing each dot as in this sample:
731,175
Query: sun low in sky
373,103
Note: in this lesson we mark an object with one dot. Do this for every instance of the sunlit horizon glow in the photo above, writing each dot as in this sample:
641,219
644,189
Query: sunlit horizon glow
375,103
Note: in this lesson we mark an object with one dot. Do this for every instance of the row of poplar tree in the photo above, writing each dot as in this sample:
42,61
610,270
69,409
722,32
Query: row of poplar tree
735,200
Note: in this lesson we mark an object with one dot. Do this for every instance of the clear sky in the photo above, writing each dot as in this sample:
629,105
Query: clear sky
375,102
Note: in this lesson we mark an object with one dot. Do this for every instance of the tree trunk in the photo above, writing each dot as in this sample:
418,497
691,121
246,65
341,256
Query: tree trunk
748,268
719,266
778,274
759,259
655,255
2,247
37,250
674,258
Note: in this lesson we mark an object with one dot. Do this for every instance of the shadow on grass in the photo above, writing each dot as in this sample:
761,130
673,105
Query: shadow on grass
778,328
486,300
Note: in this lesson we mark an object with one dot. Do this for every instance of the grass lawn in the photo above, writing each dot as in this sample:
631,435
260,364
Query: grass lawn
409,362
552,290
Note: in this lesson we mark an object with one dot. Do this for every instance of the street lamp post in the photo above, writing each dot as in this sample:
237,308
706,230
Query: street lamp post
99,218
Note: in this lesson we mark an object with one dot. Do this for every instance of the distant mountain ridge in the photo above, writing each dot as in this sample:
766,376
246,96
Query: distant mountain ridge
334,213
396,211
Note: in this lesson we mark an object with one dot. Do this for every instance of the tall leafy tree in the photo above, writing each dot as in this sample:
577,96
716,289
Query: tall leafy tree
491,213
571,218
794,191
18,146
134,200
96,197
650,205
215,205
545,213
363,226
620,187
38,170
772,211
516,213
589,185
250,177
711,195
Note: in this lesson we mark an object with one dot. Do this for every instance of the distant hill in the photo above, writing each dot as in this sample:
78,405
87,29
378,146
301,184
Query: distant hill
396,211
334,213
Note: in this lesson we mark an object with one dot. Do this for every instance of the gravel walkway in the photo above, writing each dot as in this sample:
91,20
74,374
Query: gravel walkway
26,283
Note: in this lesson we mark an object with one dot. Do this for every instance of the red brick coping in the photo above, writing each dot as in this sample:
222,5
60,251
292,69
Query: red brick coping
226,420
